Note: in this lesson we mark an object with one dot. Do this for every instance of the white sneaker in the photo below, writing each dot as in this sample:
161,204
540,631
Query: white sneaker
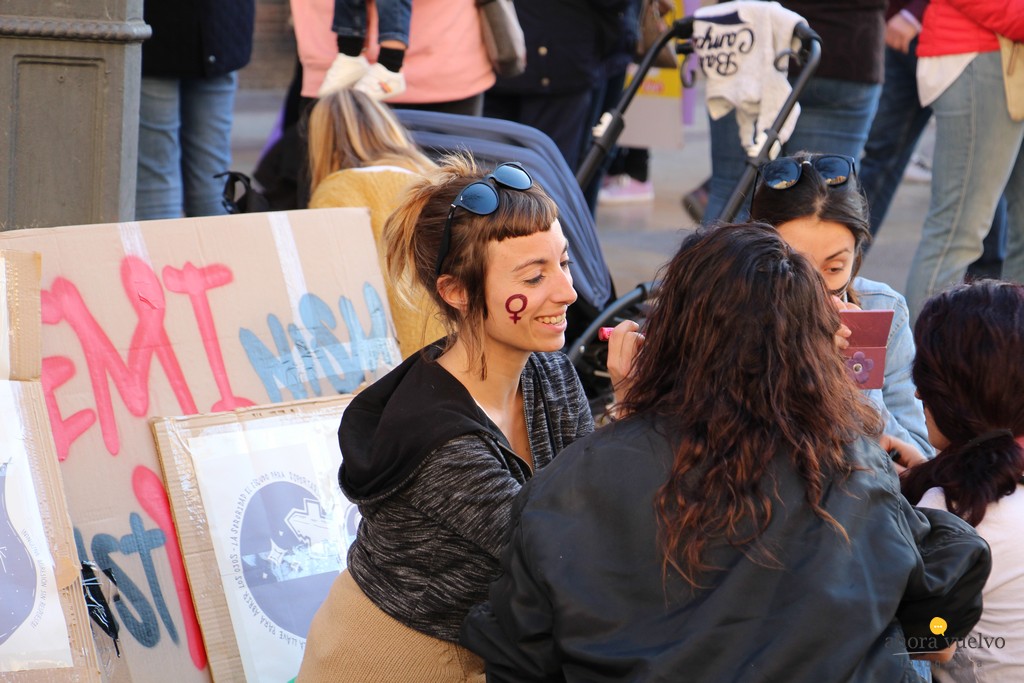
345,72
622,189
381,84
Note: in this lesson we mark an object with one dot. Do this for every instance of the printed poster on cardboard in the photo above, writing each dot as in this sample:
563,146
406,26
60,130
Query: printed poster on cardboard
281,530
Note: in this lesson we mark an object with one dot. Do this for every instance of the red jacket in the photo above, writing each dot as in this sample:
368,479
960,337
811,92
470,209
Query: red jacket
953,27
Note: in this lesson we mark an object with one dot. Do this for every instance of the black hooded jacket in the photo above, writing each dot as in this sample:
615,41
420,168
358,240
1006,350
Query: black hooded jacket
434,479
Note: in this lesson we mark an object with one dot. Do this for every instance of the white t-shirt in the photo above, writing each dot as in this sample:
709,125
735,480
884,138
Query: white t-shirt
936,74
995,648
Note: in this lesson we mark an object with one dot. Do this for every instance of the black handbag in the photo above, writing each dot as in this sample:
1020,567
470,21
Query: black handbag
240,196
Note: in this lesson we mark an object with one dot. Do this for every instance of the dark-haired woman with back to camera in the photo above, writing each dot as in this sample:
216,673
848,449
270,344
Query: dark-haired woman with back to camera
969,372
739,522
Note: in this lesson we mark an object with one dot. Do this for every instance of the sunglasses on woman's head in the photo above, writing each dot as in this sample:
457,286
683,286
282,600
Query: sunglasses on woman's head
481,197
784,172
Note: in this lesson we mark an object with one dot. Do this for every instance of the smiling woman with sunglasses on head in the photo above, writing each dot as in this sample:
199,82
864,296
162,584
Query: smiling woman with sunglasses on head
815,203
435,451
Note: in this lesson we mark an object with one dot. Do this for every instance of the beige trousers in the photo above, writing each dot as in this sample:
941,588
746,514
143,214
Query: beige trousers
352,641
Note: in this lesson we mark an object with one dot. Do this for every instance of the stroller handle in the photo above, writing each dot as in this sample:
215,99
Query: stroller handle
809,56
681,29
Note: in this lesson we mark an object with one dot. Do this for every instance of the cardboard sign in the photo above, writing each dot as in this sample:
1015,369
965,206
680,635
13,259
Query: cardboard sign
182,317
865,356
264,527
44,626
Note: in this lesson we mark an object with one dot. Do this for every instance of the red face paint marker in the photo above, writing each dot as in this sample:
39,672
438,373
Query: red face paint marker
604,333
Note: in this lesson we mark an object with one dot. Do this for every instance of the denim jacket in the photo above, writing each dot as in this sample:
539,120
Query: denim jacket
901,410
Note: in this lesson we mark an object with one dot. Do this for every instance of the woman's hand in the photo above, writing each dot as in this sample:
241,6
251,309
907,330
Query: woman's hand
842,336
623,346
908,455
899,32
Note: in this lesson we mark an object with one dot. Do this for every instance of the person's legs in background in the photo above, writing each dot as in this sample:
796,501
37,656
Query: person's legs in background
349,23
207,110
558,116
628,179
1013,193
894,133
602,97
614,182
350,18
993,248
835,117
384,79
977,157
158,185
728,162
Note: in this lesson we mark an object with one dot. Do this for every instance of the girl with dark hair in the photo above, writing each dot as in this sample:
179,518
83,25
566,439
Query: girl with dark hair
741,522
816,204
436,450
969,372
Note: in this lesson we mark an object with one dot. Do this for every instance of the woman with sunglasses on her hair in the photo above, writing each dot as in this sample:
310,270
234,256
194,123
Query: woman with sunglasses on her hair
360,154
815,203
741,522
969,373
435,451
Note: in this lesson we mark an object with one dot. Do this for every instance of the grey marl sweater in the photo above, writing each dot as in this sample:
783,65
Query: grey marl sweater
434,479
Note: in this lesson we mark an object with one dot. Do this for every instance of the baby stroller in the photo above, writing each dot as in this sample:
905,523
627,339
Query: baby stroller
493,141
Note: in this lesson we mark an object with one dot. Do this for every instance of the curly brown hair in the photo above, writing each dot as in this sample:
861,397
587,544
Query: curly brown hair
739,357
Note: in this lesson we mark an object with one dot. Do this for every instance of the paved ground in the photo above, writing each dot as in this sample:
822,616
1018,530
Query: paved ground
637,238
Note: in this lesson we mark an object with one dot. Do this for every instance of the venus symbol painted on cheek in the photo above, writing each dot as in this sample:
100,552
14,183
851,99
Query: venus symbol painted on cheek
514,312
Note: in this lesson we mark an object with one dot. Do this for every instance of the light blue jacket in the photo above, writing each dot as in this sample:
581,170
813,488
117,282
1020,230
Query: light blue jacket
901,410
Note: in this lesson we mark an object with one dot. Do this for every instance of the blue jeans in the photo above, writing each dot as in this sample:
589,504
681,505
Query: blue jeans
393,18
896,128
184,140
898,125
835,117
978,156
605,95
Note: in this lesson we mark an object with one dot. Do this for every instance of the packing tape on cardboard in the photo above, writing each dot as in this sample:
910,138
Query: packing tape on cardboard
291,264
5,325
132,242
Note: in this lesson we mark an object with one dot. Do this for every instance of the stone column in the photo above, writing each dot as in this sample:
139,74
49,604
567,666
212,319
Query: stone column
69,131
